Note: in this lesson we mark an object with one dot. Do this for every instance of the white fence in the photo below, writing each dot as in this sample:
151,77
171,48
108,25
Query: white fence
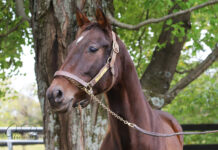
14,140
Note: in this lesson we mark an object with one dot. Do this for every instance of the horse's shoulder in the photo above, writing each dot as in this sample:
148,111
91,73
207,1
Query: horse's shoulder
166,115
172,122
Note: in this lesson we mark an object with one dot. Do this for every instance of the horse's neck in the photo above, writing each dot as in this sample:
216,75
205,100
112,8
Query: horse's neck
127,100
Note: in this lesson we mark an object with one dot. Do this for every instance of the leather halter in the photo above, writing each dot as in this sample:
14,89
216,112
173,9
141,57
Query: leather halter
107,66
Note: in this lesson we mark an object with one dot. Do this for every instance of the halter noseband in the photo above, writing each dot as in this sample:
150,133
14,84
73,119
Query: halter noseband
107,66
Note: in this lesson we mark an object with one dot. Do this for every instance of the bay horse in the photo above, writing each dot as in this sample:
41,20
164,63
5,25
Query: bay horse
88,54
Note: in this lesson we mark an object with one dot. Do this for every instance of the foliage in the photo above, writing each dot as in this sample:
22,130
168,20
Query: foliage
202,35
6,91
22,111
200,100
11,43
146,36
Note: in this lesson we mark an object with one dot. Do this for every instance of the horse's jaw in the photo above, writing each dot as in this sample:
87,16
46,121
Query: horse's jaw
83,103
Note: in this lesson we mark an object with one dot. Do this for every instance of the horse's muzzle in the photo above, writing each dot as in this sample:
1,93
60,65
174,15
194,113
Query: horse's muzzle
55,96
57,99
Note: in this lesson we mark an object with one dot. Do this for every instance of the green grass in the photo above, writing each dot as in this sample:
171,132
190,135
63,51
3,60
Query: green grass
27,147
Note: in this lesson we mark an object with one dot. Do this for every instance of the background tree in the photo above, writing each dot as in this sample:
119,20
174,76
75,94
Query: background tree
15,114
163,50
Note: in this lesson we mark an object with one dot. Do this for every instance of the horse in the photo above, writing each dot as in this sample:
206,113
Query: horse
95,60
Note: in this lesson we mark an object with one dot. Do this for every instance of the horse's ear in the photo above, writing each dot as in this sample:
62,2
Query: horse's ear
81,18
101,18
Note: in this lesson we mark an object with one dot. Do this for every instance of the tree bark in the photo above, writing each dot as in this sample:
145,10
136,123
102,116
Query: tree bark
50,23
54,27
159,73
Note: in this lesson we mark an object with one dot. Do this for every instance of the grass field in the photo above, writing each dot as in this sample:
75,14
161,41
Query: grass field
27,147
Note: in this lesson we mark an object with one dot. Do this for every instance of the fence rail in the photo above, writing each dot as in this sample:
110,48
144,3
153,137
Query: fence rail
20,142
21,129
201,147
39,130
10,141
200,127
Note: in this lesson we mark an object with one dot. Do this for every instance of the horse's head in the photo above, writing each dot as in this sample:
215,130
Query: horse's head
90,63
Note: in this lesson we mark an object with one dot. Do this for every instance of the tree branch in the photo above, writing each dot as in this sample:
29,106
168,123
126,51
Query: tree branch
184,71
20,10
12,29
152,20
195,73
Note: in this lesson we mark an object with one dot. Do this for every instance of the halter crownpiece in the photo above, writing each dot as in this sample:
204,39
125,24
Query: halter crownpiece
107,66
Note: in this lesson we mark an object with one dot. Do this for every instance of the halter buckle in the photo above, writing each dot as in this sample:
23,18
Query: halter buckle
115,47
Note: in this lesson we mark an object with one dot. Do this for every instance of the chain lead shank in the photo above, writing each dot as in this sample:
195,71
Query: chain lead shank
132,125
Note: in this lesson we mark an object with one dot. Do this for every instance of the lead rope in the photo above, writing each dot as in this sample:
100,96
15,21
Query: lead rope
132,125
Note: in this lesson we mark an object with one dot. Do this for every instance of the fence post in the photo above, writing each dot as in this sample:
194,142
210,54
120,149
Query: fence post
9,135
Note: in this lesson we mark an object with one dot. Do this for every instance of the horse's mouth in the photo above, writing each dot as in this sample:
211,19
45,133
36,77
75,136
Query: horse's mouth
83,103
81,99
63,107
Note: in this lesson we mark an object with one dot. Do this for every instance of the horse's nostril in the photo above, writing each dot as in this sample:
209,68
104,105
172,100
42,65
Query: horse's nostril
58,95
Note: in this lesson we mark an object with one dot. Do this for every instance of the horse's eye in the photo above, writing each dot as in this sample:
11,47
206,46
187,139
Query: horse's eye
92,49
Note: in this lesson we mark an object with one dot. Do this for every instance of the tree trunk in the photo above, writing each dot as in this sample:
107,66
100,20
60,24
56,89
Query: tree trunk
54,27
159,73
